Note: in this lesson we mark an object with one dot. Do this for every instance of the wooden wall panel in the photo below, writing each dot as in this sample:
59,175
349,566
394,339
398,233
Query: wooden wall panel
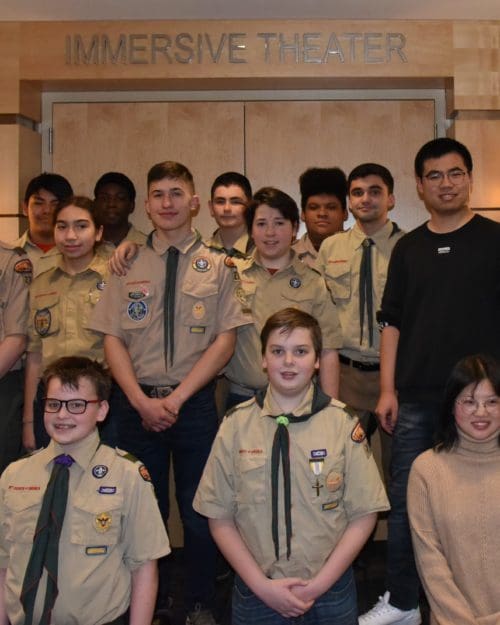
284,138
90,139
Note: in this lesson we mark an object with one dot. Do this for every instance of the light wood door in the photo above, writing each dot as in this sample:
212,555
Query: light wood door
285,138
93,138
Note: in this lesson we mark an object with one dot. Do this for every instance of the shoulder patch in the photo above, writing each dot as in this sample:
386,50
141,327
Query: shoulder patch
358,434
25,268
144,473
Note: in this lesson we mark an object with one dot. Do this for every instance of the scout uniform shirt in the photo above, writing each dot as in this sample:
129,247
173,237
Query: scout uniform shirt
297,285
60,309
241,249
111,527
15,276
339,260
132,308
305,250
334,480
41,261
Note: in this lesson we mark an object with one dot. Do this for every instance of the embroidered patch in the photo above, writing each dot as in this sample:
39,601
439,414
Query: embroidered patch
295,283
144,473
197,329
102,522
201,264
229,262
107,490
136,295
331,505
25,268
97,550
100,285
99,471
333,481
42,321
199,310
358,434
318,453
137,310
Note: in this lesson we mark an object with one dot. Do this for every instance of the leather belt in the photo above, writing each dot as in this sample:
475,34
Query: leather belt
158,391
357,364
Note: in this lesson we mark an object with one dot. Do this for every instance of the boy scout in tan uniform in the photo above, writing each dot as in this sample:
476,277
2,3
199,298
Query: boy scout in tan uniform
111,528
340,257
15,276
165,347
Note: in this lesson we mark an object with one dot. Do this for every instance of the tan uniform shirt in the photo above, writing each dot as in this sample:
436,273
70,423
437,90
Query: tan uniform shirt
60,308
42,261
15,276
111,527
305,250
132,308
297,285
339,260
133,235
334,480
241,248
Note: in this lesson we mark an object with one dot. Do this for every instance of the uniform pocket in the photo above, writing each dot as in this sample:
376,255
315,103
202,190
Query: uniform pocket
22,511
338,280
253,479
47,317
95,522
135,308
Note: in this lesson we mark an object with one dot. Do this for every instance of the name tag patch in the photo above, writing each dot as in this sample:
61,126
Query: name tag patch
98,550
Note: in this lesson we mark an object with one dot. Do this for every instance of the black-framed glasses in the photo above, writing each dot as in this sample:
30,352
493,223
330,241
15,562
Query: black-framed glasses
455,176
74,406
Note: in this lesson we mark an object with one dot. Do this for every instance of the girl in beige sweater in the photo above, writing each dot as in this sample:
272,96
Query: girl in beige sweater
454,500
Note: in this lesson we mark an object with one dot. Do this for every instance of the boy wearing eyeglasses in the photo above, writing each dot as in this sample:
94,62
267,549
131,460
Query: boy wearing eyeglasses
104,559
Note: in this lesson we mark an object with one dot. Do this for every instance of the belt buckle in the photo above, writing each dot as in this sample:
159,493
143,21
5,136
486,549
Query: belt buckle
163,391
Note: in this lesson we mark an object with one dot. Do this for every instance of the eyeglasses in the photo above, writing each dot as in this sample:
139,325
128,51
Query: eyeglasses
74,406
455,176
470,405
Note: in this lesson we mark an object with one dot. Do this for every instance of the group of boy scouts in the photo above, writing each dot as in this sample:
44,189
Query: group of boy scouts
181,315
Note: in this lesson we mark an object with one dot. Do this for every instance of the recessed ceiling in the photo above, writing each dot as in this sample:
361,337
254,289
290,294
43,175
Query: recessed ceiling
56,10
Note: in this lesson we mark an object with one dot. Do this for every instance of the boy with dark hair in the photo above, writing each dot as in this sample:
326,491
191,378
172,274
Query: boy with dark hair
42,195
91,559
441,302
354,264
114,195
291,540
229,197
323,199
170,327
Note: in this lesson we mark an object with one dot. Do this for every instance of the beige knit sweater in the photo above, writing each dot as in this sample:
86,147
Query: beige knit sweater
454,510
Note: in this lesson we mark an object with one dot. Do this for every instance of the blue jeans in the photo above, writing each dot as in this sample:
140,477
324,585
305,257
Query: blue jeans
413,434
188,443
337,606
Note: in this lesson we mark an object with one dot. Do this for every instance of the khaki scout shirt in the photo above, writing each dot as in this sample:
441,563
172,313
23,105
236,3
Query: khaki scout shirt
305,250
133,235
338,262
111,527
132,308
297,285
60,308
334,480
42,261
15,275
241,249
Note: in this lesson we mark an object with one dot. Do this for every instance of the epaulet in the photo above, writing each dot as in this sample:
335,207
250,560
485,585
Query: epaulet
125,454
336,403
12,247
143,472
351,412
238,407
215,247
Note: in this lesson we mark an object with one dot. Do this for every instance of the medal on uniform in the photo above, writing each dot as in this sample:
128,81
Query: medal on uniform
316,466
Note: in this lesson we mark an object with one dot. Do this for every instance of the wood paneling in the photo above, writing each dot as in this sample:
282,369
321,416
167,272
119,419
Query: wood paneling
284,138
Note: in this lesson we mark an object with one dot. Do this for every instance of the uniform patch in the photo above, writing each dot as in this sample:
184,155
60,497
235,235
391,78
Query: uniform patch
25,268
136,295
331,505
137,310
295,283
144,473
100,285
197,329
333,481
358,434
316,465
241,295
229,262
102,522
99,471
42,321
201,264
318,453
107,490
97,550
199,310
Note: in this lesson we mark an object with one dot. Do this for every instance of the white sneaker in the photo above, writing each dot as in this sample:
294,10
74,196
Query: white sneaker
383,613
